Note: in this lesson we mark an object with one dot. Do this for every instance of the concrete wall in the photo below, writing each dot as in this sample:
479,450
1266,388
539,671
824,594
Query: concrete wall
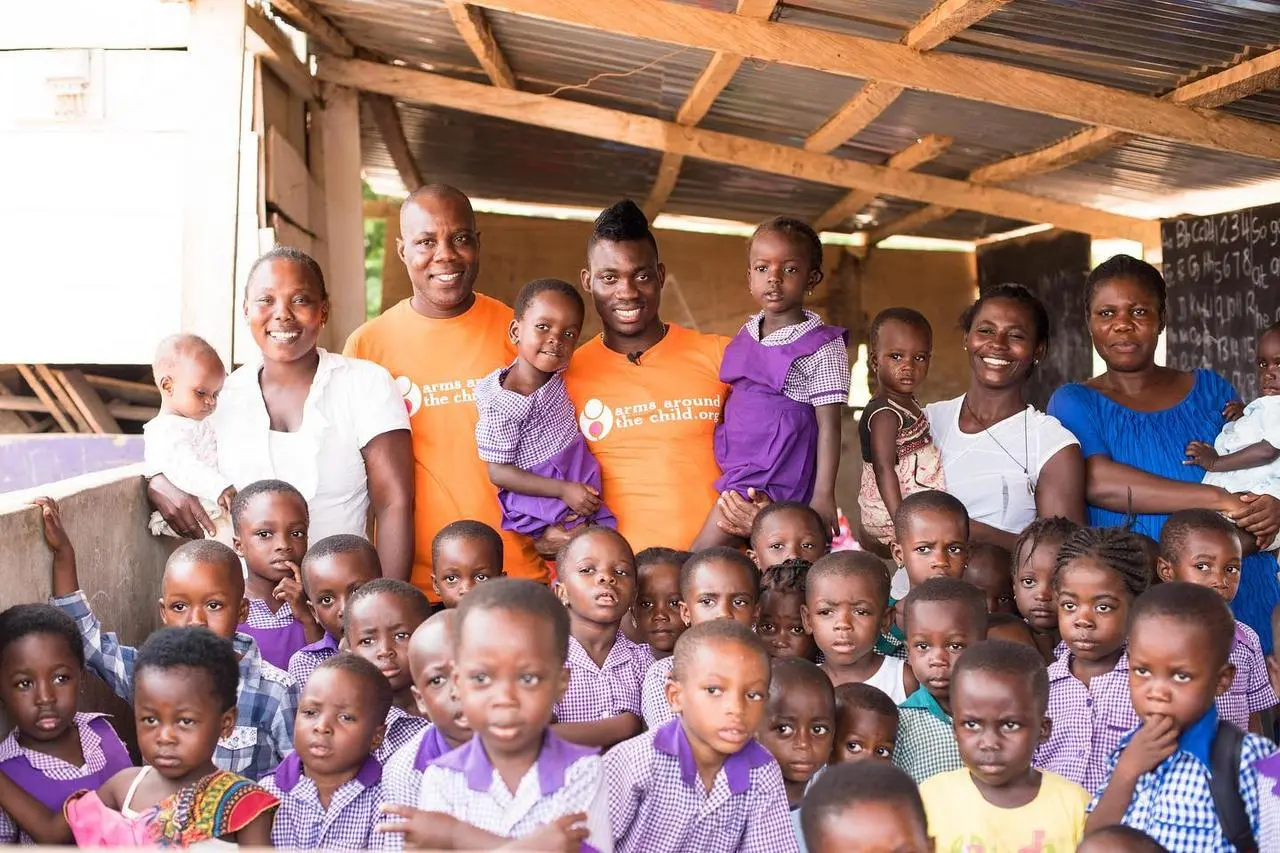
27,461
120,563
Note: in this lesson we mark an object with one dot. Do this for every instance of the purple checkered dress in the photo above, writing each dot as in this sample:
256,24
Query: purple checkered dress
1250,691
402,774
307,659
821,379
1088,722
653,696
278,634
565,779
597,692
302,823
402,727
657,802
539,434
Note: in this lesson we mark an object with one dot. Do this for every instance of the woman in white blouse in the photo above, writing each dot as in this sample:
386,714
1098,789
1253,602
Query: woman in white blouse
1006,461
335,428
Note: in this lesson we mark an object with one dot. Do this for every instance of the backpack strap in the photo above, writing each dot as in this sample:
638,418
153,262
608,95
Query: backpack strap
1224,785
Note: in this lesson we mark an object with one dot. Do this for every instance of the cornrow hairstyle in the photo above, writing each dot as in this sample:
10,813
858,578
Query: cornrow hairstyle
588,531
715,631
1179,525
721,554
1126,266
310,268
515,595
1114,547
851,564
24,620
210,552
406,592
846,786
787,577
658,554
949,590
862,696
262,487
1050,530
376,690
907,316
622,222
928,500
467,529
539,286
1001,657
193,648
798,232
771,509
1190,604
1012,293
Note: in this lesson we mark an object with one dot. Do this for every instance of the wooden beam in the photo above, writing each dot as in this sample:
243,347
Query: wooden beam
387,118
381,208
267,40
910,222
899,65
663,184
947,19
339,134
856,113
88,402
121,411
133,392
1231,84
44,396
303,15
921,151
474,28
658,135
64,399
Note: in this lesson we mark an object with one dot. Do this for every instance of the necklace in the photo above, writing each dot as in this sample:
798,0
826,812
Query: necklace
1026,453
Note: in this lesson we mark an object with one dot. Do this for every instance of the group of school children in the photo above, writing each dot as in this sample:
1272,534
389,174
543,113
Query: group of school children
1082,691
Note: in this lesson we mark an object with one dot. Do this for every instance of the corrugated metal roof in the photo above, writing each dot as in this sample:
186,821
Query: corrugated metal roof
887,20
712,189
781,103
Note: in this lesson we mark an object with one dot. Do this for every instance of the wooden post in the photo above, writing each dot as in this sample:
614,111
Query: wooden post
215,53
344,210
396,285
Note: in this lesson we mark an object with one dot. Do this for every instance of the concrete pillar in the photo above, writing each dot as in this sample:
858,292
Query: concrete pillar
339,126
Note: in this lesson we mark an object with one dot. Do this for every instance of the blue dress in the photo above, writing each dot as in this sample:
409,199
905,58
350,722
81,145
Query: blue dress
1155,442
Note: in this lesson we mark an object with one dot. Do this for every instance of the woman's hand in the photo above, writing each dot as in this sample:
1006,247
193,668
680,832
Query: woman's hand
1260,517
554,538
825,507
182,511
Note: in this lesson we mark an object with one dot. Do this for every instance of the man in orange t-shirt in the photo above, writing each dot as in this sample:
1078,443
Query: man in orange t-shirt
438,344
648,394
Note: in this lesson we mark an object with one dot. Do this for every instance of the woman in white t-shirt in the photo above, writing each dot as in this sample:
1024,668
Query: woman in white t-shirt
1006,461
335,428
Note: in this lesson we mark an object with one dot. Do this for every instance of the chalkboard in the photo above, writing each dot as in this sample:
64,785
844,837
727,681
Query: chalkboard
1223,273
1052,265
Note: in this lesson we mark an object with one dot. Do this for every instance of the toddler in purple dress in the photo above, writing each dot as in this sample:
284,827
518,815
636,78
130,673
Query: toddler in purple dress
527,432
789,374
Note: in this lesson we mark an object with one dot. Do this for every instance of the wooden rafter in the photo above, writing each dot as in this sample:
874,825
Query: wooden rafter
921,151
658,135
323,34
947,19
702,95
474,28
921,218
948,74
269,41
387,118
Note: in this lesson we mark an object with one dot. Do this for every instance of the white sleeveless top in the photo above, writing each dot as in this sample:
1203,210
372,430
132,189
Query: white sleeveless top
889,679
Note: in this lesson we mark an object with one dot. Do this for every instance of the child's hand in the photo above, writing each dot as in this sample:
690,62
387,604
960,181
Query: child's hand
225,499
429,830
563,834
290,589
1233,411
1199,453
55,536
825,507
1273,672
581,498
1155,741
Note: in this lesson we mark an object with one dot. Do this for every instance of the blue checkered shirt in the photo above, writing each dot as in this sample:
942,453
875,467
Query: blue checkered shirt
303,823
307,659
266,702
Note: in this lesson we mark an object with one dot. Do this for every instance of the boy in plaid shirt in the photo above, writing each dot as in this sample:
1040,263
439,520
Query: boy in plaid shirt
202,585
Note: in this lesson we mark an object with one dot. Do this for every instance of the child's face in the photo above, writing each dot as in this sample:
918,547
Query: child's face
336,728
863,735
1033,587
657,607
933,544
179,720
209,595
1269,364
462,562
780,626
1172,672
901,357
509,677
873,826
546,335
798,729
779,272
845,615
938,632
597,579
721,696
272,535
719,589
1093,609
1208,558
39,687
431,653
330,580
998,724
994,577
787,535
378,629
192,387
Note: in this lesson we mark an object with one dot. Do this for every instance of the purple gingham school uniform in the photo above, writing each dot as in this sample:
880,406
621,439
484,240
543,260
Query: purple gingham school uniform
1250,690
402,775
598,692
402,727
1088,722
307,659
278,634
657,801
821,379
653,695
303,823
565,779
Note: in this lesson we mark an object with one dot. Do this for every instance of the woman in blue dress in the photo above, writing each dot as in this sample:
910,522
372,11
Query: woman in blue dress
1134,422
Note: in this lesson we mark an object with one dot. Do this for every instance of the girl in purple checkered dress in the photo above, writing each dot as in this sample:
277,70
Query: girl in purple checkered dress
527,432
789,374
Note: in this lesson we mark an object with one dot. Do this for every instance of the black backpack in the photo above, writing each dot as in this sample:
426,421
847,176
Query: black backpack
1224,785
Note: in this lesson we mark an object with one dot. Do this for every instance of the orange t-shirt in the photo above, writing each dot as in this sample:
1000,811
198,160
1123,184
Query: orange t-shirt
651,427
435,364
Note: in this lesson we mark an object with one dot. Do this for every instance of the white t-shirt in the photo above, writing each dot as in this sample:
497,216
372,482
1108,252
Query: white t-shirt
351,402
988,471
890,679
